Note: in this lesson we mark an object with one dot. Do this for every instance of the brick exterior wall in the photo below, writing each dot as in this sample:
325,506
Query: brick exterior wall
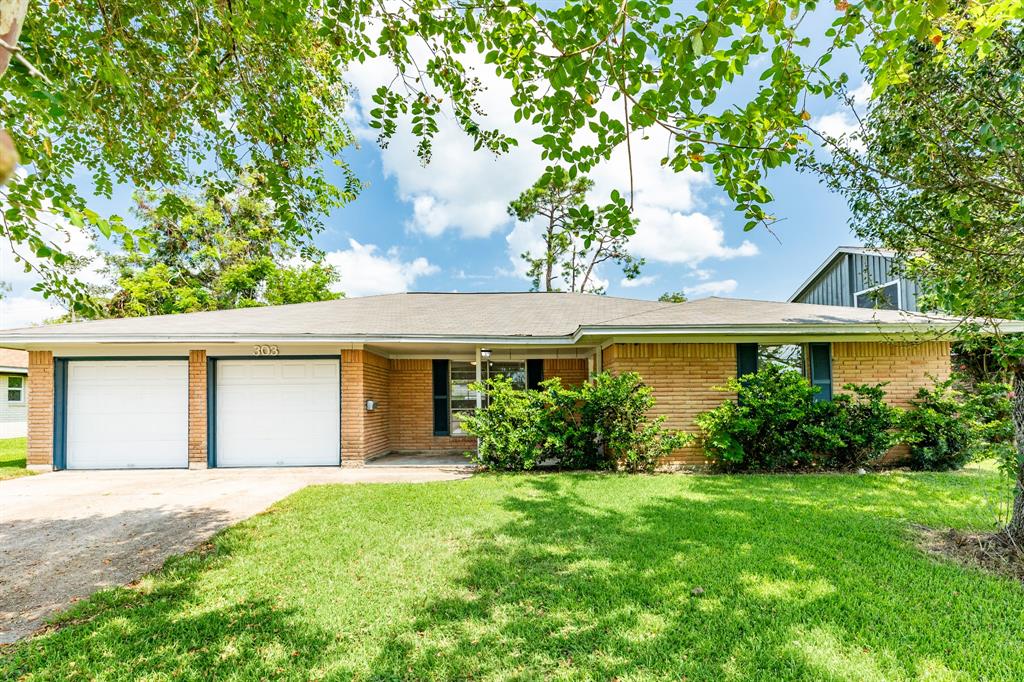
572,371
364,434
412,413
40,408
197,433
682,376
906,366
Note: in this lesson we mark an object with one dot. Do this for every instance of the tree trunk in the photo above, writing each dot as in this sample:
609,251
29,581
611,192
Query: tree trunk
549,257
1015,529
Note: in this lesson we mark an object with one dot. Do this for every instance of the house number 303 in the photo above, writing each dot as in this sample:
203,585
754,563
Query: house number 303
265,350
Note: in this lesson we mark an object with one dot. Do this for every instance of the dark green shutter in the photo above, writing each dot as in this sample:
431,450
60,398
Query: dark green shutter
60,413
442,420
746,359
534,374
821,369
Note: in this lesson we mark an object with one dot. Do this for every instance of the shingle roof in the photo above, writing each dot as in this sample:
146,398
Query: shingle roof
548,315
13,360
736,312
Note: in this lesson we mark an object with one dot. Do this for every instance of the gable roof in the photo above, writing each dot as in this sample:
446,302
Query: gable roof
827,263
508,317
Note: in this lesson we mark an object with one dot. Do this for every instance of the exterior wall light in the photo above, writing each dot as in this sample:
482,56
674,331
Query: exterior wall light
485,352
371,405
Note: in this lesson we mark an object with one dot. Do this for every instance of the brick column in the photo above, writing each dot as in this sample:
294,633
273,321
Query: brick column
197,446
353,436
364,434
40,408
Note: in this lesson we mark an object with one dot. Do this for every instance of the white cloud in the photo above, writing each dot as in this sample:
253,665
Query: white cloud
23,307
725,286
843,124
685,238
461,190
26,311
643,281
467,192
365,272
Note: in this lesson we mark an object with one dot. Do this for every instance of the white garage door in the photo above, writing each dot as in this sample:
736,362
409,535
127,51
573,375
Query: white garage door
130,414
278,412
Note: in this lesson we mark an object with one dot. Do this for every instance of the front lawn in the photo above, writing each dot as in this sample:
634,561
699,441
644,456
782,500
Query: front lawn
567,577
12,457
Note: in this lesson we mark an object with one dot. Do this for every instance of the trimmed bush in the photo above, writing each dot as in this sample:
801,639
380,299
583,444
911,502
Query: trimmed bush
854,428
600,425
775,424
988,409
766,427
508,429
938,434
614,413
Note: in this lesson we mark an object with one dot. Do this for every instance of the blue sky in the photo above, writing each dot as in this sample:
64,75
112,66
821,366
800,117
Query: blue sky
444,227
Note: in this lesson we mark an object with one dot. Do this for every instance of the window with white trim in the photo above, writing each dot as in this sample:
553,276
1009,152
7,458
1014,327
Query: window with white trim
882,297
15,389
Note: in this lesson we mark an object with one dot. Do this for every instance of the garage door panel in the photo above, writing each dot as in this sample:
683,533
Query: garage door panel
127,414
278,412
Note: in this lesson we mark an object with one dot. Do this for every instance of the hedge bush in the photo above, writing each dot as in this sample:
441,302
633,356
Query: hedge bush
937,432
599,425
775,424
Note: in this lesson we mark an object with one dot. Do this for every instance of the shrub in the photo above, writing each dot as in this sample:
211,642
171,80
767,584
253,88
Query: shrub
766,427
854,428
507,429
614,413
603,425
988,410
939,436
774,423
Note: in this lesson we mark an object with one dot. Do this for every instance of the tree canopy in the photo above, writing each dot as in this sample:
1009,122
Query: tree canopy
935,171
210,253
173,94
576,239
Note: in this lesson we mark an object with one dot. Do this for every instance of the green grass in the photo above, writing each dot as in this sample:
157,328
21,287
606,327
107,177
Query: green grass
566,577
12,458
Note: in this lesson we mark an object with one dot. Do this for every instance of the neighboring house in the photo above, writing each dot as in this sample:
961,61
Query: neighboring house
13,405
859,277
343,382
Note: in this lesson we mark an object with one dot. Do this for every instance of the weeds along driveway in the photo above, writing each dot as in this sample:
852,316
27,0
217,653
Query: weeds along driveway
65,535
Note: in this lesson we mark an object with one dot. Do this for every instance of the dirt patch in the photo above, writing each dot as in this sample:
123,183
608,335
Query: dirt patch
992,552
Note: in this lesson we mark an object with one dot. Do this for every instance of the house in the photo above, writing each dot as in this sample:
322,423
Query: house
346,381
859,277
13,405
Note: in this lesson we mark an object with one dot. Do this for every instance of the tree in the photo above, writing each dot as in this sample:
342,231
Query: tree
172,94
936,172
212,253
672,297
577,240
166,95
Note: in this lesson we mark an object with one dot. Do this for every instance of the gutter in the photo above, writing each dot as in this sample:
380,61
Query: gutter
825,329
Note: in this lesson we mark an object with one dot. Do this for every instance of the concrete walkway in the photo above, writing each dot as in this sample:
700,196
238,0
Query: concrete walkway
65,535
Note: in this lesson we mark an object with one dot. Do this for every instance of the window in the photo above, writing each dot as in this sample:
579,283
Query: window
788,356
812,360
463,400
15,389
882,297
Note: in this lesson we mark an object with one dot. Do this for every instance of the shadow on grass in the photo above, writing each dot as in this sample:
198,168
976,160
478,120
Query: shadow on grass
568,577
169,631
793,585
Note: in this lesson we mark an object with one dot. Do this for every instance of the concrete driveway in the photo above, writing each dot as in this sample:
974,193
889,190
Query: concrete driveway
67,534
